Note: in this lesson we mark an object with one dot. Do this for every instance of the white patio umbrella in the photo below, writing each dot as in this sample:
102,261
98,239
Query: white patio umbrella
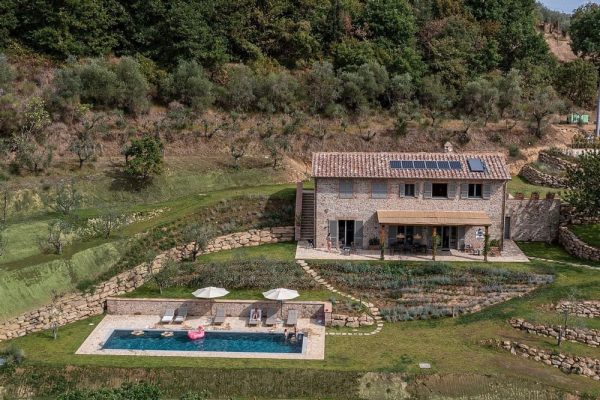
210,292
281,294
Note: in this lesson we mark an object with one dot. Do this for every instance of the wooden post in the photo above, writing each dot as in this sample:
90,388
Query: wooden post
434,243
382,241
486,244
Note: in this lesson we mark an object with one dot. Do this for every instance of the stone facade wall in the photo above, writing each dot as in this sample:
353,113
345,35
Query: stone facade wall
586,309
533,220
590,337
537,177
554,161
76,306
233,308
569,216
568,364
362,207
576,246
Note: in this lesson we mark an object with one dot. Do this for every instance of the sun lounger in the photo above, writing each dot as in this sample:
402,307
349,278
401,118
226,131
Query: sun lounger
255,316
271,317
181,315
168,316
219,316
292,318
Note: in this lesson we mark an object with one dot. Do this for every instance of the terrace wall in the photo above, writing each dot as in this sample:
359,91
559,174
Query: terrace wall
233,308
534,220
537,177
576,246
73,307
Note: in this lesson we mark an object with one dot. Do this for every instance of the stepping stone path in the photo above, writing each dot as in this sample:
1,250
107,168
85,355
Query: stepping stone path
374,311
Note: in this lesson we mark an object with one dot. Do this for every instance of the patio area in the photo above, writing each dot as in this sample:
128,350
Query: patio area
511,253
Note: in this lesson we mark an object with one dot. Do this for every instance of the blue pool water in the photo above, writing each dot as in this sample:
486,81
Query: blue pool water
212,341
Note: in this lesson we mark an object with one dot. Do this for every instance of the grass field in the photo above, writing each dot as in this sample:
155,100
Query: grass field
520,185
451,345
588,233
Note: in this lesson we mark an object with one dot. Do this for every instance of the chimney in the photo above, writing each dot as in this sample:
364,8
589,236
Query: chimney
448,148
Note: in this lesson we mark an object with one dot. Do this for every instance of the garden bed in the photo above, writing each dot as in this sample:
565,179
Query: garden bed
405,291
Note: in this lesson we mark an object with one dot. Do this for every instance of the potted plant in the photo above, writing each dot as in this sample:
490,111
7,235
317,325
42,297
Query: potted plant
374,243
494,248
519,196
535,195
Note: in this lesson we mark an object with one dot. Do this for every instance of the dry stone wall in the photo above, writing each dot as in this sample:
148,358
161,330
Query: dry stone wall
568,364
537,177
570,216
76,306
554,161
351,321
576,246
590,337
586,309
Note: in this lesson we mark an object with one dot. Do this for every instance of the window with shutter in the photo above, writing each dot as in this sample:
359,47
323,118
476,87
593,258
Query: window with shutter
464,191
379,190
333,233
452,190
487,191
427,189
402,189
346,189
358,234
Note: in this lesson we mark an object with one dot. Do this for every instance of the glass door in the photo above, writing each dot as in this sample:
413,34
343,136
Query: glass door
346,232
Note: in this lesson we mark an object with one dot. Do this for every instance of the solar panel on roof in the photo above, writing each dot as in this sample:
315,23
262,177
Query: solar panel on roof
455,165
443,165
475,165
408,164
419,164
431,164
395,164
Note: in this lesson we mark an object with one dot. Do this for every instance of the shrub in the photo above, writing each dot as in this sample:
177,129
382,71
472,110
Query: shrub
133,86
238,91
13,355
514,151
99,84
6,73
189,85
277,92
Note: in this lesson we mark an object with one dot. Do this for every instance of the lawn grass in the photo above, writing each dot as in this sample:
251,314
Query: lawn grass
450,345
588,233
21,240
519,185
552,252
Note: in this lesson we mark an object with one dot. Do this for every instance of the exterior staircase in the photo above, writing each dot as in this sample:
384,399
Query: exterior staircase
307,226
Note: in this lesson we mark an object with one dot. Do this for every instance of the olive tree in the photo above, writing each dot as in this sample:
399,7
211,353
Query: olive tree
197,236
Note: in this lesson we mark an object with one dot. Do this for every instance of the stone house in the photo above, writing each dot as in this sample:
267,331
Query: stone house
405,199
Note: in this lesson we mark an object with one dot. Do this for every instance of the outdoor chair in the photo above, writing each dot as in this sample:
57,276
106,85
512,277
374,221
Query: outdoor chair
168,316
292,318
271,317
219,316
255,316
181,315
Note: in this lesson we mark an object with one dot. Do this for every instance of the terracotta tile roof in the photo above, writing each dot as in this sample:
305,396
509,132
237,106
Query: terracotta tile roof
377,165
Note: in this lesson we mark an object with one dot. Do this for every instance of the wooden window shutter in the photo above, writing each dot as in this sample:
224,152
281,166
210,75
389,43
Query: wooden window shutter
402,188
333,232
464,191
427,190
358,234
486,190
452,190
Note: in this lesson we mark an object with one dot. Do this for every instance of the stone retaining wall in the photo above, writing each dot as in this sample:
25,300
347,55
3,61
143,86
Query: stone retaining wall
233,308
537,177
586,309
570,216
76,306
576,246
590,337
533,220
555,161
352,322
568,364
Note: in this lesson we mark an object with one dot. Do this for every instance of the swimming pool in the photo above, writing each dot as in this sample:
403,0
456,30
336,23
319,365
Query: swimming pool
237,342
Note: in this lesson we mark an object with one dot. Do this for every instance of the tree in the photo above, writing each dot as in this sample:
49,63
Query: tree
322,86
276,92
585,32
163,278
510,93
84,145
198,236
110,220
56,238
480,99
55,311
144,157
133,86
188,85
436,97
578,81
100,85
238,91
543,102
583,184
238,150
566,314
67,199
30,154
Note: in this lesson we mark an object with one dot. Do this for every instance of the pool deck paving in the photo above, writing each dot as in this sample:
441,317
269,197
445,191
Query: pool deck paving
315,348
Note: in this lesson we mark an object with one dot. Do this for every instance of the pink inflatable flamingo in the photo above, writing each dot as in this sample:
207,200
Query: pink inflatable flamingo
197,334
